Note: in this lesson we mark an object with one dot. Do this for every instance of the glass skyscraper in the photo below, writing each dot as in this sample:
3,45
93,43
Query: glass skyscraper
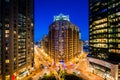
104,30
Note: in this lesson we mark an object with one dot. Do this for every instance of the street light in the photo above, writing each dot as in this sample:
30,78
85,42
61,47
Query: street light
78,73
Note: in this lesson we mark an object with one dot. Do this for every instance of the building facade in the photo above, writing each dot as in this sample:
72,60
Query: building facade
63,39
44,44
86,46
17,38
104,37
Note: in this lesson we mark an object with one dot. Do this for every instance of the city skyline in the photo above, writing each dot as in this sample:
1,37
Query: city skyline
78,15
59,40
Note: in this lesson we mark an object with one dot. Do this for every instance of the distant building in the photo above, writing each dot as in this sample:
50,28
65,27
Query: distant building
44,44
81,46
63,39
104,38
86,46
16,38
37,43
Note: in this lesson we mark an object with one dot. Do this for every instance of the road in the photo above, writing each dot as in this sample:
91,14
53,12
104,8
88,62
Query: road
79,65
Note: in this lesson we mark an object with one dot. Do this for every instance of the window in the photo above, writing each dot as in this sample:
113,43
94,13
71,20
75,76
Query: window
100,21
7,61
6,25
6,35
118,45
118,13
14,32
6,48
7,77
6,31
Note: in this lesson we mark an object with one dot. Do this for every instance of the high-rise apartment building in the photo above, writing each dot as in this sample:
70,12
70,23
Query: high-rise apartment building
63,39
16,17
104,38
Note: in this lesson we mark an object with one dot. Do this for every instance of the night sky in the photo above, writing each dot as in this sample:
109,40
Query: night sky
46,9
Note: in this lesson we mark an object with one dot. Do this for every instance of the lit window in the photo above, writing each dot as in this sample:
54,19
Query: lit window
14,32
117,40
19,47
14,59
31,24
7,61
6,35
118,34
6,48
118,45
118,29
118,13
6,25
100,21
7,77
19,36
6,31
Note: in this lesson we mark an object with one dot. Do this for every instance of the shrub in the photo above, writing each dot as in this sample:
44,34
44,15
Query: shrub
71,77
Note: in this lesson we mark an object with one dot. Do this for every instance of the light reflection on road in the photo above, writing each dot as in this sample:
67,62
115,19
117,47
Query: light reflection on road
78,65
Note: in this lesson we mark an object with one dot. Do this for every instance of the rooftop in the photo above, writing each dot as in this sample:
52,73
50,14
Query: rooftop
61,17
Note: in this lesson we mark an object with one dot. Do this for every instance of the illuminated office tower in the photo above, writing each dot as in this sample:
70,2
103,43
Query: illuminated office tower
17,38
104,33
63,39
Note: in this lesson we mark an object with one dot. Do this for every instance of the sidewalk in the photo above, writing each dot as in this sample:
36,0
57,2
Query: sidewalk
89,76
